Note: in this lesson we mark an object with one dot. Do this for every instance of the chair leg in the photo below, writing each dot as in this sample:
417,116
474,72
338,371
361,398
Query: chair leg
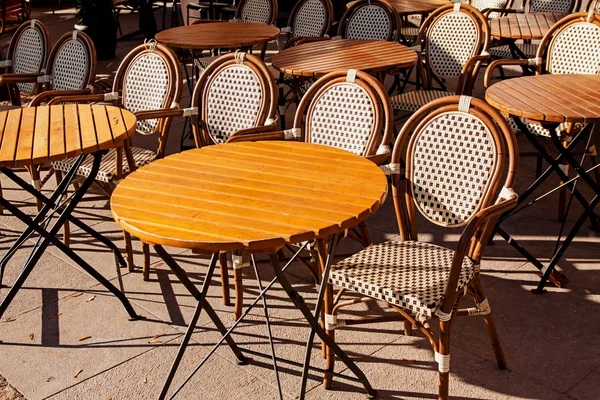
329,356
66,227
129,251
364,232
408,328
146,266
239,293
562,197
224,278
491,328
444,350
1,208
34,172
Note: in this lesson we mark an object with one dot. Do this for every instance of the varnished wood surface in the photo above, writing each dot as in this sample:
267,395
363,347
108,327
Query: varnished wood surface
407,7
217,35
318,58
252,196
524,26
549,98
36,135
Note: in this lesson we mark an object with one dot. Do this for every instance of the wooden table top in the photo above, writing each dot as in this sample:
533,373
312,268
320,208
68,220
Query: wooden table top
407,7
217,35
252,196
318,58
36,135
548,98
524,26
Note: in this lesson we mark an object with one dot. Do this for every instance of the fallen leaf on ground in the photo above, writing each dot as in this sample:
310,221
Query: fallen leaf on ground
90,299
159,335
407,360
144,380
55,315
76,294
76,374
154,341
9,319
109,398
50,379
81,339
31,336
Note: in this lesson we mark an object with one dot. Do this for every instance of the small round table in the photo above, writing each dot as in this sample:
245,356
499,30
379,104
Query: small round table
33,136
217,35
250,197
551,100
525,26
312,60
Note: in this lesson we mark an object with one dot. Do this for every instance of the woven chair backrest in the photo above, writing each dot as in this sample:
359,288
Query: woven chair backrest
557,6
369,20
257,11
28,51
72,62
311,18
482,5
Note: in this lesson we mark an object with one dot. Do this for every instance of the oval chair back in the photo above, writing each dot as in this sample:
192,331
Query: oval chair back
310,18
369,20
257,11
556,6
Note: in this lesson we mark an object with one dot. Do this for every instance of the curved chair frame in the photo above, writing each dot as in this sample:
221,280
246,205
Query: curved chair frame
295,20
271,19
478,227
352,11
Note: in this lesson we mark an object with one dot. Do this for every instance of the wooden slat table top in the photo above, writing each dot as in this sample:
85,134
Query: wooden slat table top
318,58
36,135
213,35
531,26
548,98
407,7
250,196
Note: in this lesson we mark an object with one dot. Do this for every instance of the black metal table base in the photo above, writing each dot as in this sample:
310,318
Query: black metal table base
565,154
53,206
294,296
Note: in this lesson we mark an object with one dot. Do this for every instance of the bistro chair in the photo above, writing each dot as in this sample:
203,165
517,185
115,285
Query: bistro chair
235,96
443,58
369,20
349,110
13,12
534,6
593,6
148,79
571,46
451,189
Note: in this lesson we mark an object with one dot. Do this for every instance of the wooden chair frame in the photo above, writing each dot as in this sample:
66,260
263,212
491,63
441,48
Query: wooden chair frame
290,30
477,230
392,34
273,7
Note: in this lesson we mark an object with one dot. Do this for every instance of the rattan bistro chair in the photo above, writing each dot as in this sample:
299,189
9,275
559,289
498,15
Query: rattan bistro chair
349,110
148,79
461,164
443,58
235,96
369,20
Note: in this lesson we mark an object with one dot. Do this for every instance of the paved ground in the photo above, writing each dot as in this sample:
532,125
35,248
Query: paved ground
550,340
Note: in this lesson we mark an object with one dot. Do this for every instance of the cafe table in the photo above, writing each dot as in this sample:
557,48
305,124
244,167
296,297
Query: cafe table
550,100
251,198
33,136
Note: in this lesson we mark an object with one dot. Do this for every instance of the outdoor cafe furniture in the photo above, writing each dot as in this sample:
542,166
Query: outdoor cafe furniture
369,20
552,100
236,96
443,58
36,135
345,109
148,79
13,12
435,175
255,11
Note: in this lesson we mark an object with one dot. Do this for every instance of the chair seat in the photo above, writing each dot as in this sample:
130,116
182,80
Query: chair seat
412,275
412,101
409,33
529,49
108,165
537,129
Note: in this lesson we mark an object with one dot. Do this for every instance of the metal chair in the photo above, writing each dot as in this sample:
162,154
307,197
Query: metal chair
148,79
450,188
442,58
349,110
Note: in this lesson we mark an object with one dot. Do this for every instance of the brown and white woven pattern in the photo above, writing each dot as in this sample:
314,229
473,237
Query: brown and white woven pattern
412,101
451,41
412,275
28,57
537,129
234,99
529,49
257,11
557,6
145,88
343,117
451,165
486,4
368,23
310,19
71,64
108,165
576,50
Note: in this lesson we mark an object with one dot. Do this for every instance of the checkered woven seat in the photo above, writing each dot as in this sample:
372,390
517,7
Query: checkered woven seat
108,165
529,49
412,101
409,274
537,129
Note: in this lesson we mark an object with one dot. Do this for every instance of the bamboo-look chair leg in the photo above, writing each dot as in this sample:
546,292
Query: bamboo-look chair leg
490,326
364,232
239,293
128,251
224,278
1,208
34,172
66,226
146,265
444,350
408,328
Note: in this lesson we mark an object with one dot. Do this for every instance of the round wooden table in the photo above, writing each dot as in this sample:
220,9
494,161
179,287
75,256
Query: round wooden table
408,7
217,35
526,26
250,197
550,100
318,58
36,135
